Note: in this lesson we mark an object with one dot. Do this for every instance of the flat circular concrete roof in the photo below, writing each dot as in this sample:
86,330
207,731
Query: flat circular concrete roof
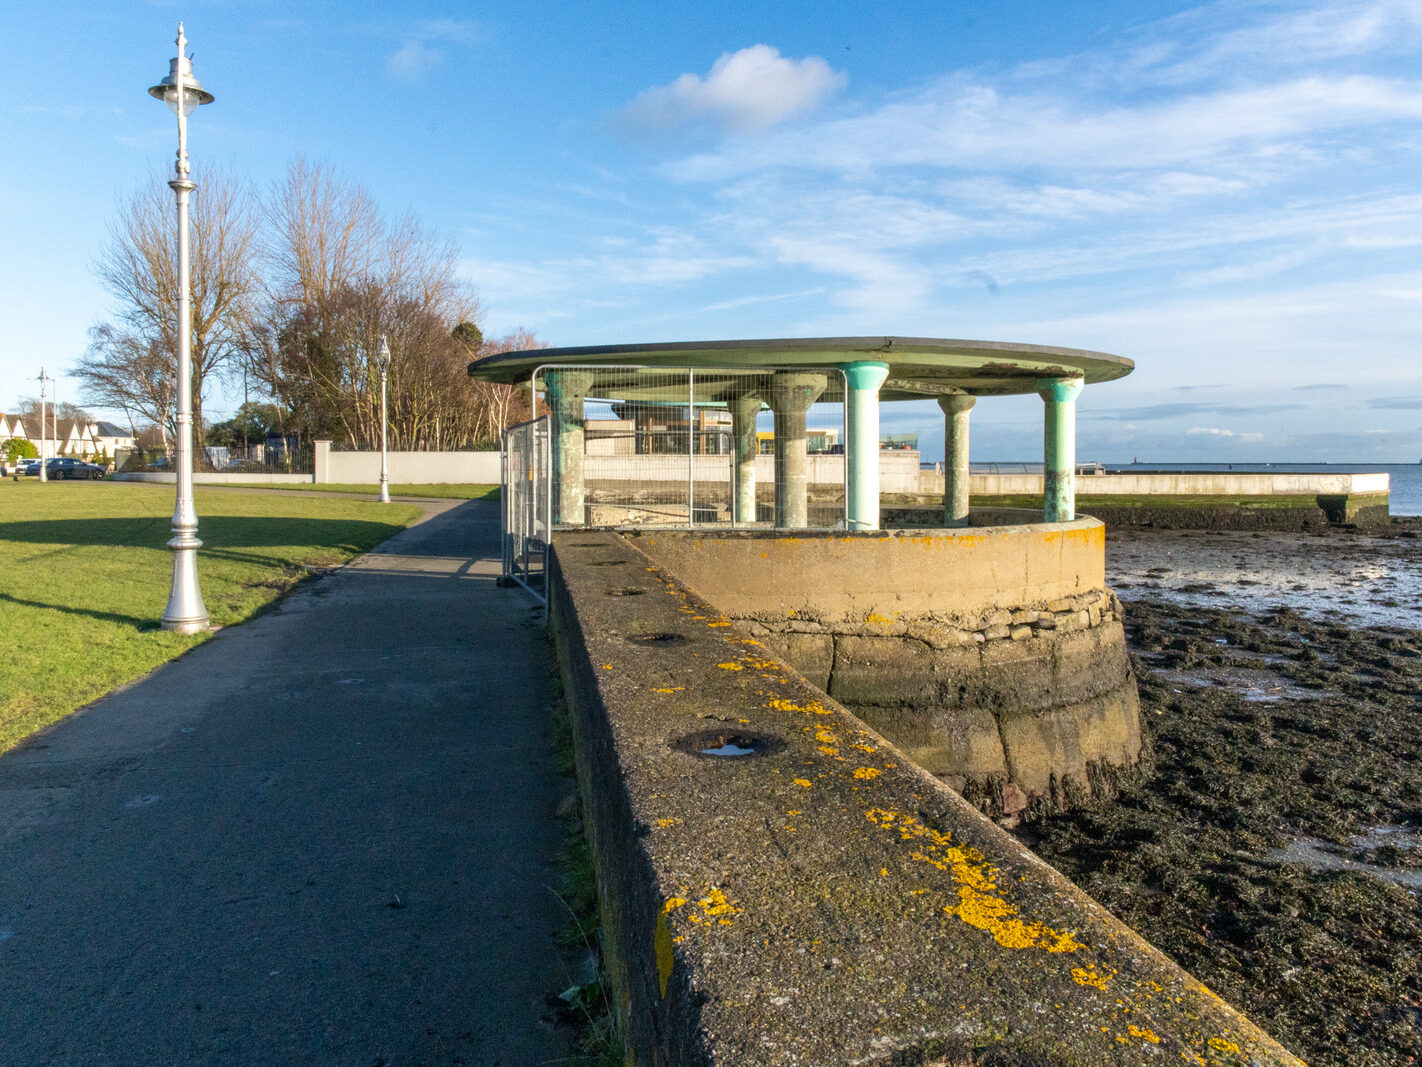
918,366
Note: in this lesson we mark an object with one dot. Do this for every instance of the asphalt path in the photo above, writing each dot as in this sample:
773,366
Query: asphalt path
323,837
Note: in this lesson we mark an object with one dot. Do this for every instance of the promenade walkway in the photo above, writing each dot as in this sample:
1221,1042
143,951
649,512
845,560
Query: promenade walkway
323,837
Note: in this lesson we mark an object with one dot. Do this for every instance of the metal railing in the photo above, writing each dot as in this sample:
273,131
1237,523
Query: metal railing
527,476
659,448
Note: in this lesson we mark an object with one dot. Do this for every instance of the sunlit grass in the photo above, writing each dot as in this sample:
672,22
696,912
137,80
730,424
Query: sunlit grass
85,572
459,491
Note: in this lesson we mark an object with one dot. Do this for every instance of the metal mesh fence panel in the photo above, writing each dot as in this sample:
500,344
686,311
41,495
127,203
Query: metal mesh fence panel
528,506
691,447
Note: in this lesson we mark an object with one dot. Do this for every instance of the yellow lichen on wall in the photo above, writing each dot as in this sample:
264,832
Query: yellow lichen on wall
979,904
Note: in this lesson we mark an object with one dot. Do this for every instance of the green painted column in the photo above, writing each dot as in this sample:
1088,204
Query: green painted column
861,451
1059,448
956,502
791,393
566,390
744,408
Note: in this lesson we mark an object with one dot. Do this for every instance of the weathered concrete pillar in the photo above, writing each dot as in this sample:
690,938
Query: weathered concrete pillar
566,391
955,457
744,408
1059,448
791,394
861,451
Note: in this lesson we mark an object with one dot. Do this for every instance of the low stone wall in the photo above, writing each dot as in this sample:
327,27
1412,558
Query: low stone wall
1172,483
819,899
1286,512
406,468
994,656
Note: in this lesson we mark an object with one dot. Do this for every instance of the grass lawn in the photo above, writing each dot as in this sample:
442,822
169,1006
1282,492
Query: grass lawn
462,491
85,571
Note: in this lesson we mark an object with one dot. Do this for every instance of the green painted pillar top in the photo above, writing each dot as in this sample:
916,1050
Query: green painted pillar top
1059,447
862,380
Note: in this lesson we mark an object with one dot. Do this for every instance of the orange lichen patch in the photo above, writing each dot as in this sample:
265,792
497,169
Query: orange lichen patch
878,620
825,736
792,811
866,772
1220,1044
672,904
865,748
720,622
829,750
803,781
1091,976
714,905
671,689
607,666
1148,1035
979,904
731,666
668,822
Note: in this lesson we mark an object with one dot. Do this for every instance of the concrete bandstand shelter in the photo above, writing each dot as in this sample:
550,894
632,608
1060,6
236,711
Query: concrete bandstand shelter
803,372
988,648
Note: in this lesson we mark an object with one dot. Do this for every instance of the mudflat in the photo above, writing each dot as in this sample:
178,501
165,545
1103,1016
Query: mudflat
1271,841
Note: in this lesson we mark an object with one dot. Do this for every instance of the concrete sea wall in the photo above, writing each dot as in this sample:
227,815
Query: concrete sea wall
993,656
818,899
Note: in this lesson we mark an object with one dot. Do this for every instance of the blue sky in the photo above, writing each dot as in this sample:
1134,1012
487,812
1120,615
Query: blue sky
1227,193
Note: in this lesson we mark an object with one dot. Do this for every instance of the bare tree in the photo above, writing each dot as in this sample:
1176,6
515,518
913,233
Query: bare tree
340,278
499,406
131,361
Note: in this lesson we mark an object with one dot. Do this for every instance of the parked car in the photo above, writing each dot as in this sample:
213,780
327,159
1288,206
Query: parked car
27,466
69,467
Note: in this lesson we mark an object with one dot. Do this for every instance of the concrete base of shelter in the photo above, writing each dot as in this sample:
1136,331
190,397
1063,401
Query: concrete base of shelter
994,657
780,884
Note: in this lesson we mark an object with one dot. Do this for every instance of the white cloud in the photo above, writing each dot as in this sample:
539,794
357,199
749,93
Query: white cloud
746,91
1254,131
1215,431
1305,35
413,61
423,51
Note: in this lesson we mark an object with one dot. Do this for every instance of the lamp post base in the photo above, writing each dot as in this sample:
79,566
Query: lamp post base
185,613
384,493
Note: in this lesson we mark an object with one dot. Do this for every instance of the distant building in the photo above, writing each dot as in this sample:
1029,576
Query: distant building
109,438
65,437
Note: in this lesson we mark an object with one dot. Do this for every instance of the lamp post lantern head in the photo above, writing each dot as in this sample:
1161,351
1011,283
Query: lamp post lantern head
180,72
383,356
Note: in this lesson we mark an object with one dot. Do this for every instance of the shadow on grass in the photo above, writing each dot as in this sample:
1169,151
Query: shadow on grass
103,616
220,533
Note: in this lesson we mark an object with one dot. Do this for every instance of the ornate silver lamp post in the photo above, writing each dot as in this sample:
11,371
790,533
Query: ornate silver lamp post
383,358
186,613
43,380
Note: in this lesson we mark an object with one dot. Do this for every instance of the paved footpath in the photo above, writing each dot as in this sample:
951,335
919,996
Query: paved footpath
324,837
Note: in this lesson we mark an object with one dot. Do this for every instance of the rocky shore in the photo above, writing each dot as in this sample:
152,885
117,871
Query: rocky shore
1272,840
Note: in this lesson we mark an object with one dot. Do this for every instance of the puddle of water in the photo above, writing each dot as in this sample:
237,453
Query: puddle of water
1255,686
1317,856
1375,583
730,748
1396,836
